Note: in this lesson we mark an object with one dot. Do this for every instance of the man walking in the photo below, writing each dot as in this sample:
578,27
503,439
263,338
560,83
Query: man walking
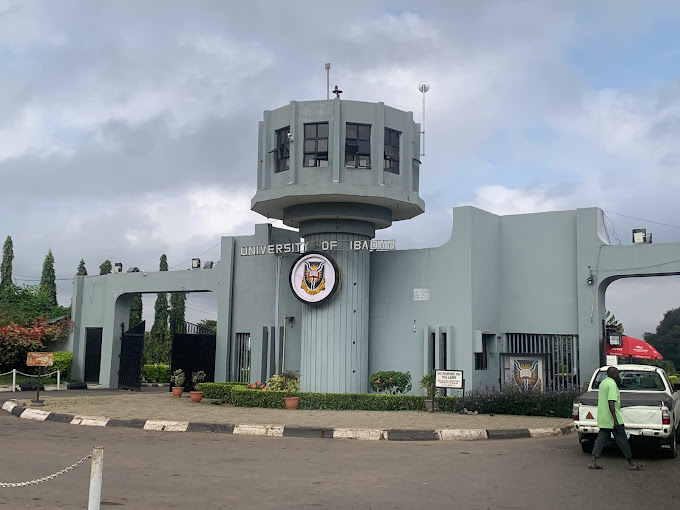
609,420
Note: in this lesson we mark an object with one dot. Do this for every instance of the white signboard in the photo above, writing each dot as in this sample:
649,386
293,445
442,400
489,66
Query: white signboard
314,278
612,361
421,294
449,379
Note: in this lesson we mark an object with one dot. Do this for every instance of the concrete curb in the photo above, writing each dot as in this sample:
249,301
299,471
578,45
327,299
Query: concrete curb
286,431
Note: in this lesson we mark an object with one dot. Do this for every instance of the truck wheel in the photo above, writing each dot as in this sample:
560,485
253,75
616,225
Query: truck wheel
673,441
587,445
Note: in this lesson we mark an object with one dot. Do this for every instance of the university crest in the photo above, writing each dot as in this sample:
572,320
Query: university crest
525,374
313,279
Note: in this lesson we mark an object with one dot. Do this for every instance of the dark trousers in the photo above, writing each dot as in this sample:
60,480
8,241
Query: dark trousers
619,437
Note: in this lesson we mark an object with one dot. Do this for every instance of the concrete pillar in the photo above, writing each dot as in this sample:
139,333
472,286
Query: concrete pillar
334,356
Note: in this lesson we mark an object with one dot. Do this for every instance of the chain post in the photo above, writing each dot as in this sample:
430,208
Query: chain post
96,475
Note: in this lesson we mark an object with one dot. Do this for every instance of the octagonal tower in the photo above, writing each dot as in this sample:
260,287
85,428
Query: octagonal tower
338,170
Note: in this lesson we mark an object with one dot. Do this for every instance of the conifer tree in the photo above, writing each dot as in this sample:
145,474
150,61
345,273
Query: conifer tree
157,350
106,267
81,269
48,283
136,310
178,304
6,268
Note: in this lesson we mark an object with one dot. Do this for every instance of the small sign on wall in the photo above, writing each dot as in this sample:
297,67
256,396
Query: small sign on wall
421,294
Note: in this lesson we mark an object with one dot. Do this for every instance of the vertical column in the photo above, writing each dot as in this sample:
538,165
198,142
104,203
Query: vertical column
334,357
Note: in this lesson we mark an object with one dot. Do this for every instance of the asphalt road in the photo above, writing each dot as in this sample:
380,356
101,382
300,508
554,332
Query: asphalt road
165,470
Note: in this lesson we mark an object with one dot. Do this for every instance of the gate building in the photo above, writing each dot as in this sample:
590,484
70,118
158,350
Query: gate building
334,303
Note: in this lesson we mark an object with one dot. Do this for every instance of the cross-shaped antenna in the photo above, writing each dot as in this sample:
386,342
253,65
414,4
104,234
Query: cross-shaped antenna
337,92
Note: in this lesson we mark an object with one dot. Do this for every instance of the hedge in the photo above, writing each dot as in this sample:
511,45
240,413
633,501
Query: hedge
62,362
244,397
219,391
158,373
556,404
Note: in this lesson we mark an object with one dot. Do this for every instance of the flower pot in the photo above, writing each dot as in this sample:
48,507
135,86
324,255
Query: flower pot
196,396
177,391
428,406
291,402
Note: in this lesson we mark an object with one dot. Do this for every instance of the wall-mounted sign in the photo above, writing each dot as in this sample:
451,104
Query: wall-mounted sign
343,245
421,294
449,379
315,278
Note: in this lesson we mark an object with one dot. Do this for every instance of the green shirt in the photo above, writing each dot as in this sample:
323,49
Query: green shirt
608,391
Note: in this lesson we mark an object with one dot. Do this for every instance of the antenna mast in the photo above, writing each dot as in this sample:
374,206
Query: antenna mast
328,80
423,86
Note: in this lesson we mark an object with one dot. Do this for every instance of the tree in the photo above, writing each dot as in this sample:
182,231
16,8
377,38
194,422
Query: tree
136,310
106,267
178,305
48,283
26,305
157,350
208,324
666,340
81,269
6,268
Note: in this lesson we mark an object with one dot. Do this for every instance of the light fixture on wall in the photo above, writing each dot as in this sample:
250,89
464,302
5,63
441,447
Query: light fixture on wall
414,325
195,263
290,320
589,280
133,269
208,264
118,267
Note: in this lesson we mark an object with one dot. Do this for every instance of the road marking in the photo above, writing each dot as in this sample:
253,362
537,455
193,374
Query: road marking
169,426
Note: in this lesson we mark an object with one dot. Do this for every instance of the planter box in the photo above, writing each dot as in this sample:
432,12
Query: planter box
76,386
31,387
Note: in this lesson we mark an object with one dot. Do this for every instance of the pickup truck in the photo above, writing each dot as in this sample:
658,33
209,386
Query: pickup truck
650,407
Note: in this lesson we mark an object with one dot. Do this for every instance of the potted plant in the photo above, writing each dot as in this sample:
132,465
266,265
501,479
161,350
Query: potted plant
177,380
427,383
289,382
196,379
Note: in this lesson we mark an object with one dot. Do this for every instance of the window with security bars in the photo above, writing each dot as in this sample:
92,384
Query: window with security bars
242,357
392,150
316,145
358,145
282,149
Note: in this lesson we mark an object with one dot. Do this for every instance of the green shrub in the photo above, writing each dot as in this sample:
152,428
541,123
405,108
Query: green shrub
391,382
508,400
219,391
158,373
245,397
62,362
288,382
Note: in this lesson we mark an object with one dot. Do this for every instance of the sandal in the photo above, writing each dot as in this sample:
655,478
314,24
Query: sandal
637,465
595,467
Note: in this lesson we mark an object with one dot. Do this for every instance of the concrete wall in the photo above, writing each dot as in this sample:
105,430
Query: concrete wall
496,275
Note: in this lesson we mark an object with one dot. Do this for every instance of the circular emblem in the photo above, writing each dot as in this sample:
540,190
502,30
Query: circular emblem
314,278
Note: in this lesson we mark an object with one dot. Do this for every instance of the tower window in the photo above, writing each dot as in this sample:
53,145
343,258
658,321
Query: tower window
282,149
316,145
358,146
392,150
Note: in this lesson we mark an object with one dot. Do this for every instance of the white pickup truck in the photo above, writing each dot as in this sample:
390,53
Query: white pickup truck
650,407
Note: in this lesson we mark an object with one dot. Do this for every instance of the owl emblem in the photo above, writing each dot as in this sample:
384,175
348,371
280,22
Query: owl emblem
525,374
314,280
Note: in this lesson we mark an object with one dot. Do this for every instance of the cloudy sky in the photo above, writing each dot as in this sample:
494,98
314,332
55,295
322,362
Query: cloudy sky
129,129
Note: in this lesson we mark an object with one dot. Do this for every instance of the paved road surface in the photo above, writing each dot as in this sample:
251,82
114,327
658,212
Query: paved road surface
164,470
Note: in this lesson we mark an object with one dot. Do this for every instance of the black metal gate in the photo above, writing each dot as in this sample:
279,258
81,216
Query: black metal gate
131,350
193,350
